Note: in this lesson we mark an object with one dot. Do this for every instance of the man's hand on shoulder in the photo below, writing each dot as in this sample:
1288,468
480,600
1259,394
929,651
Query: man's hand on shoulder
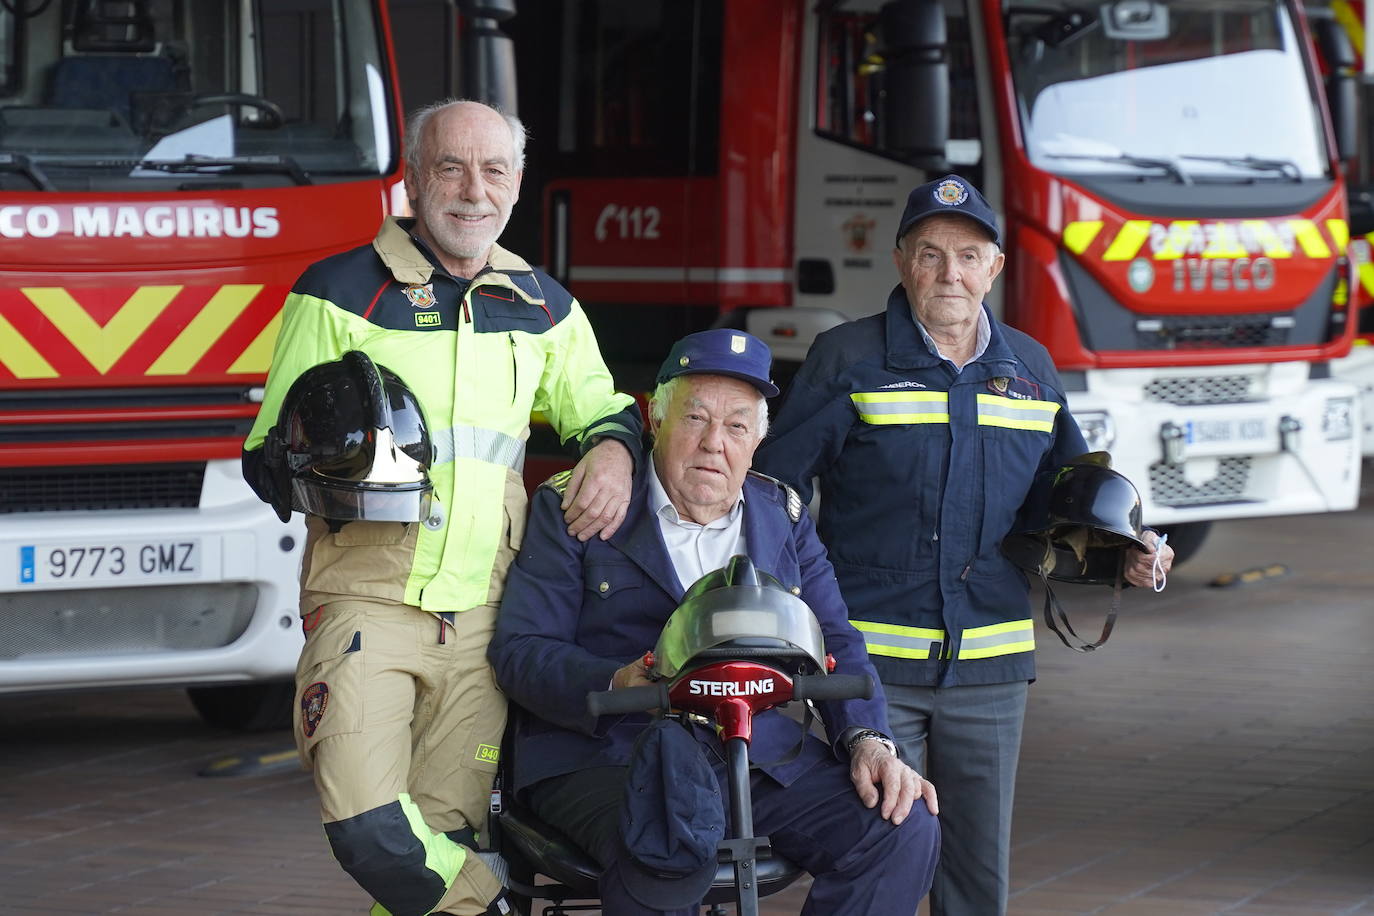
872,765
598,492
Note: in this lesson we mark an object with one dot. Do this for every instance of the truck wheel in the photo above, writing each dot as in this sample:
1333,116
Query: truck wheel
1186,539
245,707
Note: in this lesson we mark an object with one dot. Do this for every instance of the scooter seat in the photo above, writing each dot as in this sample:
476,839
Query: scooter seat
552,854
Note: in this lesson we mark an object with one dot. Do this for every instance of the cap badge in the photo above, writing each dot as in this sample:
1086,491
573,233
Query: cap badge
684,361
737,343
951,193
422,297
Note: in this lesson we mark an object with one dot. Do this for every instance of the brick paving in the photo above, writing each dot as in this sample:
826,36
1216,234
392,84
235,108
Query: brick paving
1216,757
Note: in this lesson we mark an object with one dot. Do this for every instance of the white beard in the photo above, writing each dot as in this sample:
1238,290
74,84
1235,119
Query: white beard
456,241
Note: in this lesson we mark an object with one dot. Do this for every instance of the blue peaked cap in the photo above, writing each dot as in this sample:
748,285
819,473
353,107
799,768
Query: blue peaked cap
951,194
721,351
672,819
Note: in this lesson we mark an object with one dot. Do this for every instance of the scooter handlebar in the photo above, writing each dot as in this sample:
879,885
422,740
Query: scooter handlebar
628,700
832,687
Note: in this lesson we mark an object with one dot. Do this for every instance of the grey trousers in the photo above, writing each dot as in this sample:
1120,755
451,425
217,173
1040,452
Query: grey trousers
966,740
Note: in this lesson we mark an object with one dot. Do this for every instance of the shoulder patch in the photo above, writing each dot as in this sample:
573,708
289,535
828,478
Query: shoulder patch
791,499
794,504
558,482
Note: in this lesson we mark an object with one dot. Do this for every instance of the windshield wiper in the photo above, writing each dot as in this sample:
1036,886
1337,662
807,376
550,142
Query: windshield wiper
1286,167
1144,162
23,165
270,164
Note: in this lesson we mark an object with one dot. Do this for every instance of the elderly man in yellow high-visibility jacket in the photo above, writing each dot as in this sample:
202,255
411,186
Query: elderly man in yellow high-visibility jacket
397,713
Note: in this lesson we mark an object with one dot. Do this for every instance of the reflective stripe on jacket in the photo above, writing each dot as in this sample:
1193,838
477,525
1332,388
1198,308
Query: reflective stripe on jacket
479,359
922,473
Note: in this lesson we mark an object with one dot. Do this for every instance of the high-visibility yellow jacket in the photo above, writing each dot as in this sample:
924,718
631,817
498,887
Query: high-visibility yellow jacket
479,356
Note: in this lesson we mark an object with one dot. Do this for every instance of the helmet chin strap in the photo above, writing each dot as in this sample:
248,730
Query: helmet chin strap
1053,608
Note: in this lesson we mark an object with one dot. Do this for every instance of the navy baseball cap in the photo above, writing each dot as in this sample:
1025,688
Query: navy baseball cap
671,819
951,194
721,351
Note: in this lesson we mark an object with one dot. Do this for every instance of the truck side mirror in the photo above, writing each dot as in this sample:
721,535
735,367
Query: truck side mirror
915,78
488,54
1361,211
1341,91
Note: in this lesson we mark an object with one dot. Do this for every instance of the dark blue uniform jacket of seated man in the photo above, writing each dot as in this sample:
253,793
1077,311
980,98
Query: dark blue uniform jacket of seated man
575,612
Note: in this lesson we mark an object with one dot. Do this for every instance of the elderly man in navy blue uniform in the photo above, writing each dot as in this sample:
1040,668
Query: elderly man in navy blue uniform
926,425
578,617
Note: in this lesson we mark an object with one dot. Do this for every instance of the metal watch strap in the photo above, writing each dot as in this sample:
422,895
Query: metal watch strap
874,734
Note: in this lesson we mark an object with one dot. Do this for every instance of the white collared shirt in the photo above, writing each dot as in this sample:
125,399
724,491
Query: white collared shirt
696,549
984,337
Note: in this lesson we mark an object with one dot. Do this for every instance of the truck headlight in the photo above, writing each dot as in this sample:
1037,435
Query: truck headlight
1336,419
1098,430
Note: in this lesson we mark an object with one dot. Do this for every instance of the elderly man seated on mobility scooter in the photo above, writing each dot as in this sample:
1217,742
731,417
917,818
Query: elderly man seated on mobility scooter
578,617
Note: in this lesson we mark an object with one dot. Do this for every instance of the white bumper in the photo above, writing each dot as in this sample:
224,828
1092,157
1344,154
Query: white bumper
1358,370
1270,443
231,618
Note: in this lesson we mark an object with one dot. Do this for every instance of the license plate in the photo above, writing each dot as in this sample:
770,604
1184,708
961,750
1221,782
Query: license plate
109,561
1230,436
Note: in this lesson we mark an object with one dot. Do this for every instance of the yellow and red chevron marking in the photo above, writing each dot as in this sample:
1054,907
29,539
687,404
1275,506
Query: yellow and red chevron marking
1166,241
1350,15
138,334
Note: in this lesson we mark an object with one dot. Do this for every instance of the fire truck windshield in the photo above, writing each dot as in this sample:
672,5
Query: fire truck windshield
172,93
1187,91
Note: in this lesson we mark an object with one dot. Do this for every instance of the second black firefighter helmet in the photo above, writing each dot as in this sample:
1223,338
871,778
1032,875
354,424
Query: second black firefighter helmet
356,443
1077,522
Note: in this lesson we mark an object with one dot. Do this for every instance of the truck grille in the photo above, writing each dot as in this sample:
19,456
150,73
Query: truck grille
1168,486
1222,389
1209,332
124,621
83,489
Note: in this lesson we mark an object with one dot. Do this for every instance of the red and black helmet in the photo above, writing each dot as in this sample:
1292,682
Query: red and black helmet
740,612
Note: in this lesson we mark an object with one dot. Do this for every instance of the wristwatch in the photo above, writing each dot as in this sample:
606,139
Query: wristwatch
865,733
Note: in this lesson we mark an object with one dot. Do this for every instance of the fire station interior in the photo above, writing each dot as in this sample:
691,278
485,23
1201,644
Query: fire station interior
1216,759
637,83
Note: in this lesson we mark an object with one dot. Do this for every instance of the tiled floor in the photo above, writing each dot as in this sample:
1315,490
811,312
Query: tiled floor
1216,757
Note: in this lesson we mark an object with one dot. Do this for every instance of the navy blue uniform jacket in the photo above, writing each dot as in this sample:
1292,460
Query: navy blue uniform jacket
574,613
923,472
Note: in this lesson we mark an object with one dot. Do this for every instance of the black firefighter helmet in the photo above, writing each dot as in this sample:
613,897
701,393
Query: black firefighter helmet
355,443
1080,520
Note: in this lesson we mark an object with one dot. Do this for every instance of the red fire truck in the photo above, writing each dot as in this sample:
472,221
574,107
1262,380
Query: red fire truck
168,169
1174,209
1355,20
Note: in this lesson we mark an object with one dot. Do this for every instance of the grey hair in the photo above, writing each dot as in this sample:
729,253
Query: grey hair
415,129
663,396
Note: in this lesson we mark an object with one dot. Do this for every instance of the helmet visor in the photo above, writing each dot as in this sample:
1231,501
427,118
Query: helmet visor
349,502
